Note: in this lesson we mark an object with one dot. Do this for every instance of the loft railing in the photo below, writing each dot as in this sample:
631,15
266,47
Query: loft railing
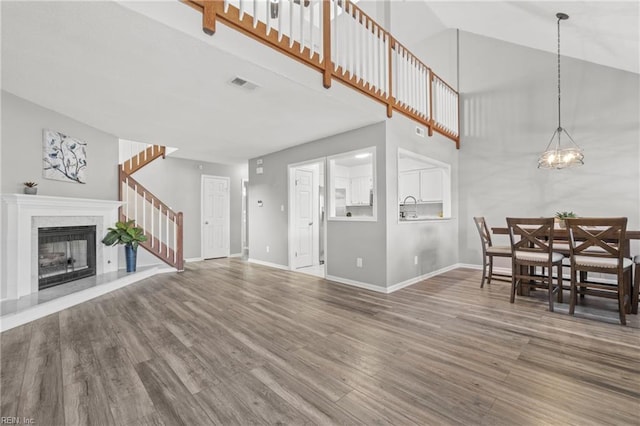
340,40
162,226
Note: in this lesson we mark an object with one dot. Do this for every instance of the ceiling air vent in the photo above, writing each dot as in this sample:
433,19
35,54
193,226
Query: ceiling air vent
241,82
419,131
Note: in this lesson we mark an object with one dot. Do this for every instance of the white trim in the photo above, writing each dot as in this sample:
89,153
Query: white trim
355,283
56,305
193,259
419,278
322,164
228,207
236,255
269,264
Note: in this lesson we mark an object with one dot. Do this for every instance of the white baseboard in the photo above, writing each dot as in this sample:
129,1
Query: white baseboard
419,278
506,271
236,255
358,284
269,264
565,276
194,259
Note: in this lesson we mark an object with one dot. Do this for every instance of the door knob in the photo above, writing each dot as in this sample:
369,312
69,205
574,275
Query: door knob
310,223
206,223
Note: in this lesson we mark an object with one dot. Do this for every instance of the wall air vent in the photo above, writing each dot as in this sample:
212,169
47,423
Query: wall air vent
419,131
245,84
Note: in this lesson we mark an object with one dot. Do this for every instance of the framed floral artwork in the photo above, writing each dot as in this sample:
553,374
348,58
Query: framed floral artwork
63,157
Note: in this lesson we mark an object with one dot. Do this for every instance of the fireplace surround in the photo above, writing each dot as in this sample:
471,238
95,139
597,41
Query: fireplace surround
22,215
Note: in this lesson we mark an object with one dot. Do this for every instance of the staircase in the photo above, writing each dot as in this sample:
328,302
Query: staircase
162,226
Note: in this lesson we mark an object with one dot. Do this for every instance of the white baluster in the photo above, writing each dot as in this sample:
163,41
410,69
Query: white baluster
336,50
255,13
127,197
167,226
135,203
226,6
144,211
159,228
175,239
241,9
280,30
301,24
291,23
268,14
153,229
312,49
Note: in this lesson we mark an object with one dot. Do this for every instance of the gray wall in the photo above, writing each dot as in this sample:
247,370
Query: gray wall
434,242
177,183
22,125
268,225
509,104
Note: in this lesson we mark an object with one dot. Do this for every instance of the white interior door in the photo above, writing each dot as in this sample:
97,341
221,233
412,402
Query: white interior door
215,217
303,216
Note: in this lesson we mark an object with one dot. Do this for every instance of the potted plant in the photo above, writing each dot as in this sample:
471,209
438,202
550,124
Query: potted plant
561,216
30,188
131,236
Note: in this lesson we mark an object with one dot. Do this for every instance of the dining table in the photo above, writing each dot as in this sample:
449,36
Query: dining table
562,234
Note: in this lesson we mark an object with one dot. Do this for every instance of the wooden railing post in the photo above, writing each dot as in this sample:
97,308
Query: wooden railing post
179,249
390,100
326,43
209,12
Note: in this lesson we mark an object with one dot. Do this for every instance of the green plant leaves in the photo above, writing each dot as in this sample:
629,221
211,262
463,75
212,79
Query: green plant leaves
125,233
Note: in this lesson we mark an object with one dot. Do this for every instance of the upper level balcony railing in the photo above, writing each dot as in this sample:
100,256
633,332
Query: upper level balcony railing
340,40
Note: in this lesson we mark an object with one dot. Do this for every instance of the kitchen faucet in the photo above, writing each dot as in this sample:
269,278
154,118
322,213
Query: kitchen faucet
415,206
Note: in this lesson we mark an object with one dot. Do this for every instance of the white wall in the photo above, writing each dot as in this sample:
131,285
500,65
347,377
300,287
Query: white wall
509,112
434,242
22,125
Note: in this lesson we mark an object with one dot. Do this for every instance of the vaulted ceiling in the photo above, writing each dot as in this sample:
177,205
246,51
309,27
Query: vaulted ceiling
145,71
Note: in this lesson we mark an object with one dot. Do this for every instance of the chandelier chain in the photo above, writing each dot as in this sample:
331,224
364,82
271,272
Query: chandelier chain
559,122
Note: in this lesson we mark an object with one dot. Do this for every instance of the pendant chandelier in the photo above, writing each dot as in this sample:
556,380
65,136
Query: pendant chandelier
555,156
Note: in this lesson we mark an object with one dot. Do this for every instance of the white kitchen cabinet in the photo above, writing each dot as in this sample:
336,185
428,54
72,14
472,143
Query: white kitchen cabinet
409,185
360,189
431,181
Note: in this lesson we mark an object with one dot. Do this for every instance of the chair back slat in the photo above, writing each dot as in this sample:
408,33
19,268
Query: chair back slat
531,234
483,230
605,235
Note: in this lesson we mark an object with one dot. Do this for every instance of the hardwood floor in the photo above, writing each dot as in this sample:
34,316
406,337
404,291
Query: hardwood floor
228,342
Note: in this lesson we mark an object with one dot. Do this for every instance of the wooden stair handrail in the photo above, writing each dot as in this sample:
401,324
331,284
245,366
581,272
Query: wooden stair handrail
172,256
143,158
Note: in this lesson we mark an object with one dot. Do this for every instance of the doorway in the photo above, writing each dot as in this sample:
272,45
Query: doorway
307,218
216,209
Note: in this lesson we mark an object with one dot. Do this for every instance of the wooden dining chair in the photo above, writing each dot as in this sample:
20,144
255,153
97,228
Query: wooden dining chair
489,251
597,245
532,247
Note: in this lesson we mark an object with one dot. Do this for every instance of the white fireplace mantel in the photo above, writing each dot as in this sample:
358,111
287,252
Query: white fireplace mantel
21,213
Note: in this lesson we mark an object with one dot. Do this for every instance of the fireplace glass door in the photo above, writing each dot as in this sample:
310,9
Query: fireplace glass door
65,254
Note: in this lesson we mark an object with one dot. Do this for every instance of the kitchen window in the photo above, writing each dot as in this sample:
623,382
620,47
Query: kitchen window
424,188
352,177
